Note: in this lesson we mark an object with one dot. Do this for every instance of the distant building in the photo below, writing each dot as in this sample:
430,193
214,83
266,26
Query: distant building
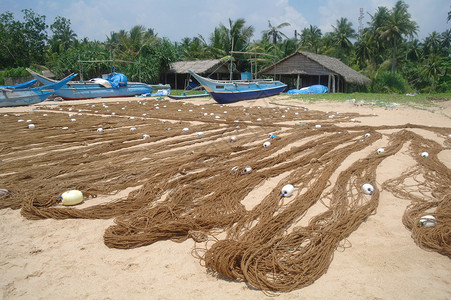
303,69
178,76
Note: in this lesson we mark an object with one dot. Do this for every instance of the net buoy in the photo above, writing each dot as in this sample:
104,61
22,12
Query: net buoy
65,128
234,170
287,190
232,139
72,197
185,129
99,130
425,154
200,133
380,150
368,189
318,126
131,118
73,120
266,144
133,129
428,221
247,170
20,121
367,135
146,137
31,126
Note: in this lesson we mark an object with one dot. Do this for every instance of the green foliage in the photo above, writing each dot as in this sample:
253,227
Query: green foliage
16,72
384,83
424,64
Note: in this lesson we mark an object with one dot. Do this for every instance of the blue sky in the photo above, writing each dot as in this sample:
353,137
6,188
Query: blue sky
176,19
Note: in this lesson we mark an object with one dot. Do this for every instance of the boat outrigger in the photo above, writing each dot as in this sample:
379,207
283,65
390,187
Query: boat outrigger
95,88
27,96
229,91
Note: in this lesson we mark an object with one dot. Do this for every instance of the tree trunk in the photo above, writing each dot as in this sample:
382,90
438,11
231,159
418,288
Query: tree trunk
393,66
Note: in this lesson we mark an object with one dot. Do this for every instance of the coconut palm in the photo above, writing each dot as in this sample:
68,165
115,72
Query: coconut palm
342,34
399,24
274,33
311,38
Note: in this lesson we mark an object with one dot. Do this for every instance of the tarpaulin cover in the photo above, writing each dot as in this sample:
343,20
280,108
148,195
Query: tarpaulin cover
117,80
313,89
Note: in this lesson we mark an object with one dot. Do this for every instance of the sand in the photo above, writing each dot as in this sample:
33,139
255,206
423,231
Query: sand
51,259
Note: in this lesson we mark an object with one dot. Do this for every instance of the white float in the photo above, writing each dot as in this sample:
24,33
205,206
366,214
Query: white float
380,150
72,197
146,137
31,126
234,170
233,138
367,135
368,189
99,130
247,170
428,221
287,190
200,133
133,129
266,144
425,154
185,129
318,126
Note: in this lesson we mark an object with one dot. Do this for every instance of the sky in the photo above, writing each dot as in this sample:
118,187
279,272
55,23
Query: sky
177,19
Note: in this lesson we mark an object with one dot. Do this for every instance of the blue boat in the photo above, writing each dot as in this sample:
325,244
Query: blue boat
229,91
20,85
20,97
96,88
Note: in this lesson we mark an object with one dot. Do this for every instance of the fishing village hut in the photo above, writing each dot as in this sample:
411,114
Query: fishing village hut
303,69
178,76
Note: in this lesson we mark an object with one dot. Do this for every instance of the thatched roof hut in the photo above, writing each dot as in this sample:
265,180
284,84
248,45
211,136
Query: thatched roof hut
178,75
303,69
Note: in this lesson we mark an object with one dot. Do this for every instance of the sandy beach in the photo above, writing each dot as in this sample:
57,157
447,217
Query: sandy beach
68,259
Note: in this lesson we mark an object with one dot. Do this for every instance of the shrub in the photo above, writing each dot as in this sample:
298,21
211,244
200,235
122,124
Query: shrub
384,83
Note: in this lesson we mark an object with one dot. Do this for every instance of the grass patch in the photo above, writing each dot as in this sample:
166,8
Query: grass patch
383,100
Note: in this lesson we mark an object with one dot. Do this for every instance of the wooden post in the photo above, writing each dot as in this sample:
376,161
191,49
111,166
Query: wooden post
328,83
297,82
175,80
333,83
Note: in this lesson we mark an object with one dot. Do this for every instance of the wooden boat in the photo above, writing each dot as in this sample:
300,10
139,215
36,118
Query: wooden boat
229,91
95,88
21,97
20,85
188,96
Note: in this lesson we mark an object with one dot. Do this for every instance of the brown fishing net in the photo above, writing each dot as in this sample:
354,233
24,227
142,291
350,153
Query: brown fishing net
190,180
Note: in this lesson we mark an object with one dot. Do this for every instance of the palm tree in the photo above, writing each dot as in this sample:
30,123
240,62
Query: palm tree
311,38
396,26
342,34
274,32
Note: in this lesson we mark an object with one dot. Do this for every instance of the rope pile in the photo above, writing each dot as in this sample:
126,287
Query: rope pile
185,187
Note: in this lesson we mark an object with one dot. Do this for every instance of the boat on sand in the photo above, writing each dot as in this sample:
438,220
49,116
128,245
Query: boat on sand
229,91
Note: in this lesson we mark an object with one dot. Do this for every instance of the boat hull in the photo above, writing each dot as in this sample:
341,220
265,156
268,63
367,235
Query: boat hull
75,90
9,99
81,91
235,96
225,92
22,97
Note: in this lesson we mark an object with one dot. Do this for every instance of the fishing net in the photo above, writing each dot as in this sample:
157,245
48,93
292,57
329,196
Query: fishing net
188,179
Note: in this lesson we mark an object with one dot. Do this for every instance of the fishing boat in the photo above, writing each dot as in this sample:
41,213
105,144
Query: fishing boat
97,87
229,91
23,96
